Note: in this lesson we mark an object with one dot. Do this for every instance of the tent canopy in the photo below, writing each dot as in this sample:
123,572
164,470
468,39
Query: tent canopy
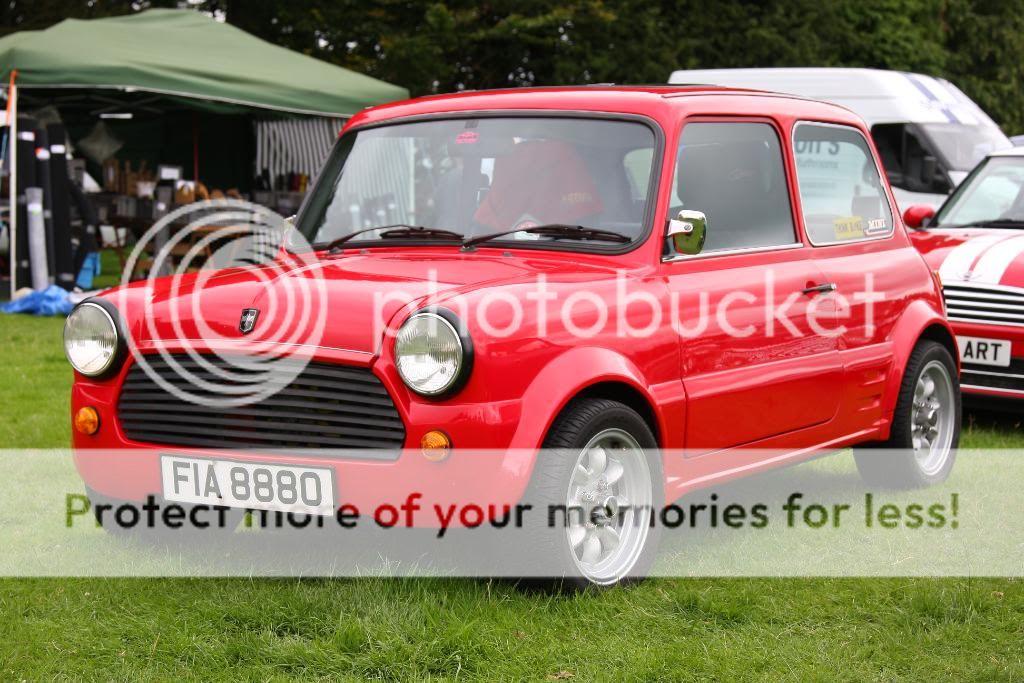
183,53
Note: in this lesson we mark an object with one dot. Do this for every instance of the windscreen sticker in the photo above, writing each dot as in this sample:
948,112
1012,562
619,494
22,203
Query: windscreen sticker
849,228
525,222
467,137
575,198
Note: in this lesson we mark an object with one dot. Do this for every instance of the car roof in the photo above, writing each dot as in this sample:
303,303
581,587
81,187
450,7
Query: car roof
660,102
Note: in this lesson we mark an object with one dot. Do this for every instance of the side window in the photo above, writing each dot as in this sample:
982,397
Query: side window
841,192
733,172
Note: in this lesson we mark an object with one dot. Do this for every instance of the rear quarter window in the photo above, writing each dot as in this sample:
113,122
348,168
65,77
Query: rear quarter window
842,194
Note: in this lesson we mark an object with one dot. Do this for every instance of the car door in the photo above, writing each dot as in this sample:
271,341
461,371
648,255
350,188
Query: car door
848,219
750,309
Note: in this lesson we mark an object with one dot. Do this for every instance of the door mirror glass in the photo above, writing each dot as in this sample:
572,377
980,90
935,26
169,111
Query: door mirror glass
929,167
687,232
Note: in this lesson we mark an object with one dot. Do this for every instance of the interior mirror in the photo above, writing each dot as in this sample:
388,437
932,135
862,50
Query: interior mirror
918,216
687,232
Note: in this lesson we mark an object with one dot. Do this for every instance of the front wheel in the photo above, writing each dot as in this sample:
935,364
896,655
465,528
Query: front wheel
925,430
600,465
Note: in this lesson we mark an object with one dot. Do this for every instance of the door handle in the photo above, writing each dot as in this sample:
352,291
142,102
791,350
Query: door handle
827,287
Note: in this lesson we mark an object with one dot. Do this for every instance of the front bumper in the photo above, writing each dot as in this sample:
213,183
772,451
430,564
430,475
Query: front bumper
490,464
993,381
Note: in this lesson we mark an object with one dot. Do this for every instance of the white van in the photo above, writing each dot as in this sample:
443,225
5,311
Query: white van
929,134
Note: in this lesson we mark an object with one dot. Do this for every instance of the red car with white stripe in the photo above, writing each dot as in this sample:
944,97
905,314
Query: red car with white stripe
976,243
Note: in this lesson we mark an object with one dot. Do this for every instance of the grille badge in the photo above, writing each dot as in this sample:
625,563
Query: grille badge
248,320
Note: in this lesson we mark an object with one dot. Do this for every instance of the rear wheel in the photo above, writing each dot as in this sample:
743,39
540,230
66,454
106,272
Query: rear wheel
925,433
600,463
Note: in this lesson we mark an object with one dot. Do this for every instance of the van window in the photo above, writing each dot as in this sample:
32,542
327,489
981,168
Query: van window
962,146
841,192
733,172
908,159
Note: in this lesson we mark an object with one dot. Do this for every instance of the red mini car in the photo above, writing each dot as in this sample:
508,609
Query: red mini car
662,288
976,242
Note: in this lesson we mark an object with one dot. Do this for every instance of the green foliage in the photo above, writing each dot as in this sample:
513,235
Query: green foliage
433,46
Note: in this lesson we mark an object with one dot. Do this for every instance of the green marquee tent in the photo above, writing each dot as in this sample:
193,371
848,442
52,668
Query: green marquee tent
176,73
183,53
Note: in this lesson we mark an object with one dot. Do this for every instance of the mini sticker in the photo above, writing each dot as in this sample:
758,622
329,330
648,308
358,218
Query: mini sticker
877,225
467,138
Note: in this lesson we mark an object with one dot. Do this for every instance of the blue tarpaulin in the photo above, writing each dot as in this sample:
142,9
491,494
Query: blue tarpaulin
53,300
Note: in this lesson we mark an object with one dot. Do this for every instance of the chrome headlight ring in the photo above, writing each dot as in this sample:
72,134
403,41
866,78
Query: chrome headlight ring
433,353
94,339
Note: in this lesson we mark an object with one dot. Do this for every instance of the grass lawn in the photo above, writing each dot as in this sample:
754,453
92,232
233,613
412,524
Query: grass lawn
664,629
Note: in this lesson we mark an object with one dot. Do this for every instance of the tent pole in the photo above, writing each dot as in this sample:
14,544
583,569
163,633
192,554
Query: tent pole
12,180
195,148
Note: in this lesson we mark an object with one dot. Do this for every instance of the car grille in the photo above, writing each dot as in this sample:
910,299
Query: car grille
991,304
325,406
1010,378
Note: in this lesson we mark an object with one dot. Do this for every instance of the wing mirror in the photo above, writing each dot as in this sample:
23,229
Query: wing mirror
918,216
929,167
687,232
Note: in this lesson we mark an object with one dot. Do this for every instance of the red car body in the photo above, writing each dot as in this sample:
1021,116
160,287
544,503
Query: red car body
982,272
714,395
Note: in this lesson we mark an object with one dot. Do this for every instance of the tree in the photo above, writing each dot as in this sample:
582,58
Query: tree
433,46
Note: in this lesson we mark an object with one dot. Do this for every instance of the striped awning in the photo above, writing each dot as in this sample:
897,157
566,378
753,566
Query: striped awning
295,145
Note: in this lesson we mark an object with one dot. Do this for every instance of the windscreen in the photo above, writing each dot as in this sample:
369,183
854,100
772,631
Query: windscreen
994,192
478,176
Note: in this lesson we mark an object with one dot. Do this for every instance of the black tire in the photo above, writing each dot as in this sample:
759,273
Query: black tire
896,466
116,518
579,422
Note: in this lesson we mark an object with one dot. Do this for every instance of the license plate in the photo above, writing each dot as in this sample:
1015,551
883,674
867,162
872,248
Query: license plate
257,486
981,351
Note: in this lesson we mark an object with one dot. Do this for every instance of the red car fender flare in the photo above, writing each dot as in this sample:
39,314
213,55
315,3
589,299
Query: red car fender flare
919,321
564,378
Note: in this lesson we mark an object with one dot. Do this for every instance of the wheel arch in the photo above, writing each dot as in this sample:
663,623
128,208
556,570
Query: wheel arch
919,322
943,335
627,395
586,372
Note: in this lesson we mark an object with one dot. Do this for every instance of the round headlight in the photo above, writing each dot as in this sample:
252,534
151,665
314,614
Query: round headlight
430,354
90,339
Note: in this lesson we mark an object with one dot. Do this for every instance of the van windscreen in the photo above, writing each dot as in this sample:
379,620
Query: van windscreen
963,146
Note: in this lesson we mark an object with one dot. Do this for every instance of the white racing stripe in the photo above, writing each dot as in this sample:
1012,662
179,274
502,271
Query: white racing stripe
994,262
959,261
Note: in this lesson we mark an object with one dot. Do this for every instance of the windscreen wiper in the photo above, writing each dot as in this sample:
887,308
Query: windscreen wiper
398,230
557,231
